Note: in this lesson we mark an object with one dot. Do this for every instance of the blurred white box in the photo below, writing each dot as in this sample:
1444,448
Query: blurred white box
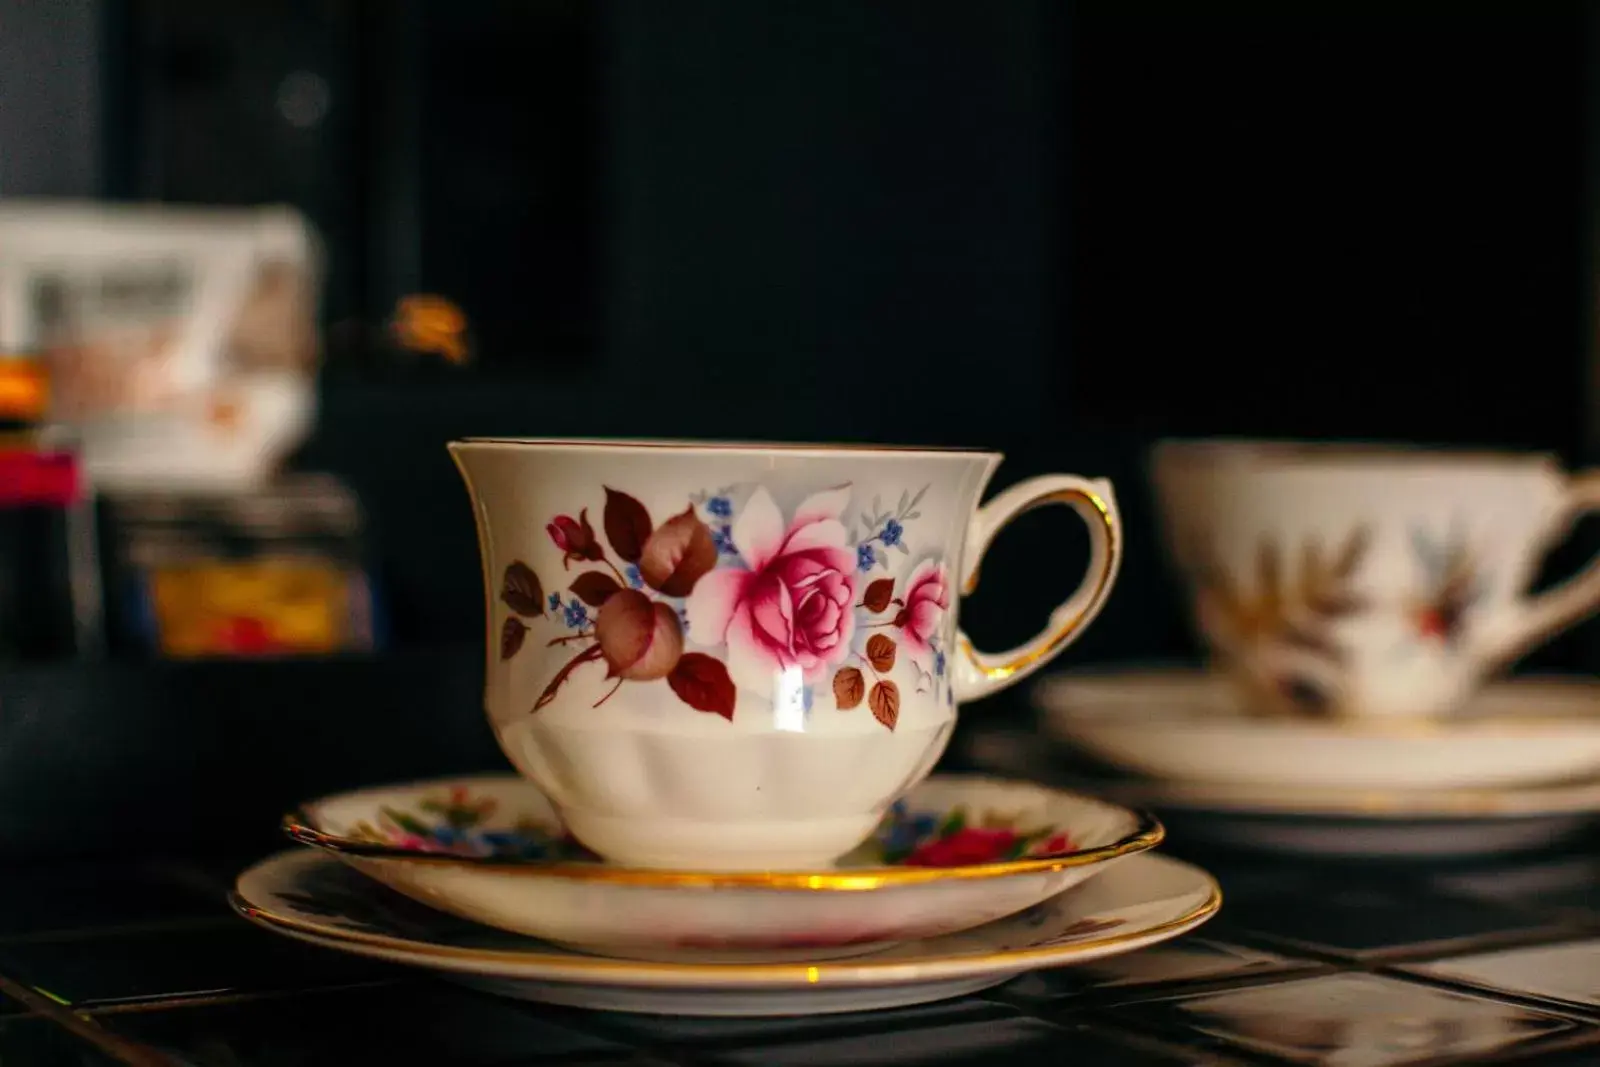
181,343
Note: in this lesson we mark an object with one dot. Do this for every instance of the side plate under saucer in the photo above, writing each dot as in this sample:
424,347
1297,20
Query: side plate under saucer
1140,901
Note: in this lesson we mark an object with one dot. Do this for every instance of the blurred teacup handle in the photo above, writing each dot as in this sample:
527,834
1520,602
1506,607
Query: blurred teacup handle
977,674
1548,613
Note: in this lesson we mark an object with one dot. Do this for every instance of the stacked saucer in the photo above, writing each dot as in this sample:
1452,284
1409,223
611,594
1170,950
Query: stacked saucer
1517,768
967,883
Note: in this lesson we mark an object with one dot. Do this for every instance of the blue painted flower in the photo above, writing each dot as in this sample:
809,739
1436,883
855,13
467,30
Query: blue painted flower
555,601
808,697
449,836
720,506
576,614
938,662
865,557
891,533
722,537
635,579
904,829
683,617
516,844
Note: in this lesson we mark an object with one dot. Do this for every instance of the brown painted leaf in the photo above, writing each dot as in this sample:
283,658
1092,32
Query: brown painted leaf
521,590
1350,556
1215,584
1459,584
588,546
594,588
678,555
702,682
1311,640
848,688
640,638
627,525
878,595
1335,604
880,652
884,700
512,634
1269,574
1311,564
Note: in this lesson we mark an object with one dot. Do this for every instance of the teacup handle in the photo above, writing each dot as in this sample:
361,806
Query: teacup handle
1557,608
977,674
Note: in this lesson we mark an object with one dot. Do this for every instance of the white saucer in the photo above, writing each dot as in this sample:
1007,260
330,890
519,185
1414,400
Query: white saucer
1187,725
1349,823
1137,901
955,853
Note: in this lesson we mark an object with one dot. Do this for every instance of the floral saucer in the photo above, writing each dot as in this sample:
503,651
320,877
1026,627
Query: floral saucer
1146,900
955,853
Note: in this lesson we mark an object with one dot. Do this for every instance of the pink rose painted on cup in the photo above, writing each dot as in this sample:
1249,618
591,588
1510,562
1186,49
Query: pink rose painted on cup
927,598
794,607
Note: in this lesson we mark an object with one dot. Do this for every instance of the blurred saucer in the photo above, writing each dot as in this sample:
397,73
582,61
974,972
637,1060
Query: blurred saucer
1188,725
1319,821
1416,824
957,852
1143,901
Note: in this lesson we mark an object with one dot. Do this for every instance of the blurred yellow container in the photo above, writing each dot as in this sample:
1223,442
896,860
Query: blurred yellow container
273,573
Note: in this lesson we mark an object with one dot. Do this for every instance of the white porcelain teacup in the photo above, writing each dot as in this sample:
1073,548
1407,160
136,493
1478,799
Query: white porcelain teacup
719,657
1364,580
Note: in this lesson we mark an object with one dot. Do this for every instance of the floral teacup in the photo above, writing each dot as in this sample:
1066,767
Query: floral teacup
1360,581
731,657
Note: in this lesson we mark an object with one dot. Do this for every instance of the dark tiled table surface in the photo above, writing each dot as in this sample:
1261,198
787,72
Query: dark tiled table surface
1351,965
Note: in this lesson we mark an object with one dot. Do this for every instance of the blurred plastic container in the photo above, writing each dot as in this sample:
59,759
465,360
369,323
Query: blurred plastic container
50,604
276,572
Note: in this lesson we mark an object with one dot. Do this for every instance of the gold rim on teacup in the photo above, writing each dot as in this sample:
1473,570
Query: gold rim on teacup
1268,450
628,444
1146,834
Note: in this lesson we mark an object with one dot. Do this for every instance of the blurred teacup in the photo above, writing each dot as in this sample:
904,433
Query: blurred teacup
717,656
1350,581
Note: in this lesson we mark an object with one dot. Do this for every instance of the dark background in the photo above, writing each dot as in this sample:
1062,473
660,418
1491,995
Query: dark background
1057,229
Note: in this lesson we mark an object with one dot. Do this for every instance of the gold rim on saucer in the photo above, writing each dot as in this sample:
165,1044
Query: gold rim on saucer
860,970
1146,834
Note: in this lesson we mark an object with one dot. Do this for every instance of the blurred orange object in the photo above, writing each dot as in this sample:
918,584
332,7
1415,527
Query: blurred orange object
24,390
426,323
